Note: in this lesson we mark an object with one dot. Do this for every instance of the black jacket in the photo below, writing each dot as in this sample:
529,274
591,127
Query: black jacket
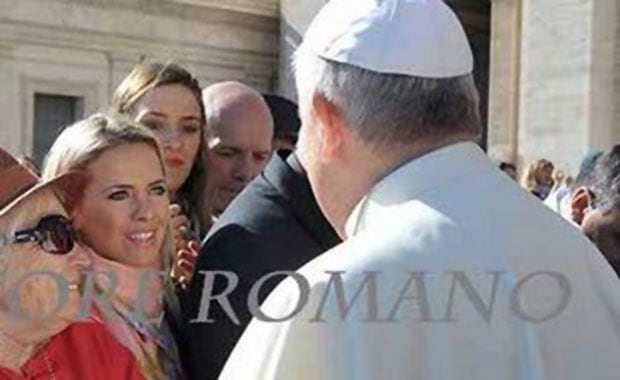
274,224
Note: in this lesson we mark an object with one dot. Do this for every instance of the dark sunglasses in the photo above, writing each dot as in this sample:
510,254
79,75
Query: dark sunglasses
53,233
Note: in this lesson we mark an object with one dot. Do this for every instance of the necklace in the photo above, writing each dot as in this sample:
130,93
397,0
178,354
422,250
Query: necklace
49,364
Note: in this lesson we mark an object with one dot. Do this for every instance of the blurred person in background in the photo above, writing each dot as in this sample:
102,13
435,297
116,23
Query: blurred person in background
562,205
560,190
509,168
538,178
286,121
595,203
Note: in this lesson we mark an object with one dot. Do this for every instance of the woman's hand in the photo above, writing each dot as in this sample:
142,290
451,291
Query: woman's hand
186,248
184,262
179,224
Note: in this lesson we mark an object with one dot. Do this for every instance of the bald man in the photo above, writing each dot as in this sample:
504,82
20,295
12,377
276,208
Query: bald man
239,135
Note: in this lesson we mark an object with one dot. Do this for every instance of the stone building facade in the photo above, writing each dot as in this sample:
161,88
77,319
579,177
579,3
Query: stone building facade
548,70
61,59
555,79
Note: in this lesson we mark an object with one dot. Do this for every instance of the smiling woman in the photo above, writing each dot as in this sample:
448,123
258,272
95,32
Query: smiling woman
167,99
123,213
123,216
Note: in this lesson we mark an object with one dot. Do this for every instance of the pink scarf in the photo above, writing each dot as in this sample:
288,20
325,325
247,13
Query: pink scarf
139,335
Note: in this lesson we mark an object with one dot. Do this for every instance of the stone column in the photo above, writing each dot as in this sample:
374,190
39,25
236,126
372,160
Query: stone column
504,80
568,99
605,75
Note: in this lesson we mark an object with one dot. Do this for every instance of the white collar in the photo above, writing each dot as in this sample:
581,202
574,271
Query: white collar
435,169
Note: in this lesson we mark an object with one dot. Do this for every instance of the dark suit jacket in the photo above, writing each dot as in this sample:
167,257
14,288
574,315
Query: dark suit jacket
274,224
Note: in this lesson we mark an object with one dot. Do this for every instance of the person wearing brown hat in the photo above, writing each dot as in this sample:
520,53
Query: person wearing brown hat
42,268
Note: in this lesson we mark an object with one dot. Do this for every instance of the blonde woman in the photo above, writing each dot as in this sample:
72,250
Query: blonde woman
41,270
538,178
123,216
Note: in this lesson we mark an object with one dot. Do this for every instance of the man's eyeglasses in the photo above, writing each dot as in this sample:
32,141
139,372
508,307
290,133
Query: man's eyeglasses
53,233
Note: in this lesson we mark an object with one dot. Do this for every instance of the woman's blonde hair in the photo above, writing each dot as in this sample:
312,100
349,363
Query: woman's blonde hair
83,142
145,77
530,178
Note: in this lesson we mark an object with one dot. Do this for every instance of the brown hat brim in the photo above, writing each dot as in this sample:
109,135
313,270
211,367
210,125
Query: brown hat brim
68,187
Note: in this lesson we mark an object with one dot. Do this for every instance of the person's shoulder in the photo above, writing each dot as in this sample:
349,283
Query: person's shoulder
9,374
256,208
90,328
265,203
358,253
234,248
92,335
230,239
90,346
266,231
260,192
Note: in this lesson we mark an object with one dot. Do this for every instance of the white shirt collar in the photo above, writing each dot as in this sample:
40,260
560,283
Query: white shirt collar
432,170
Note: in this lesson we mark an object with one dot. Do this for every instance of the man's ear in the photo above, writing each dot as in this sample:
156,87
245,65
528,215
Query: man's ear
580,204
332,127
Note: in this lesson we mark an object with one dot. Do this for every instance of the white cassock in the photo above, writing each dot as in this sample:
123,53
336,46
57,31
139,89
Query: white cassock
500,287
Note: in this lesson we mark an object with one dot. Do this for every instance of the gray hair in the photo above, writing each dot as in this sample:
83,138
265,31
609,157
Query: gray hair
388,109
606,179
